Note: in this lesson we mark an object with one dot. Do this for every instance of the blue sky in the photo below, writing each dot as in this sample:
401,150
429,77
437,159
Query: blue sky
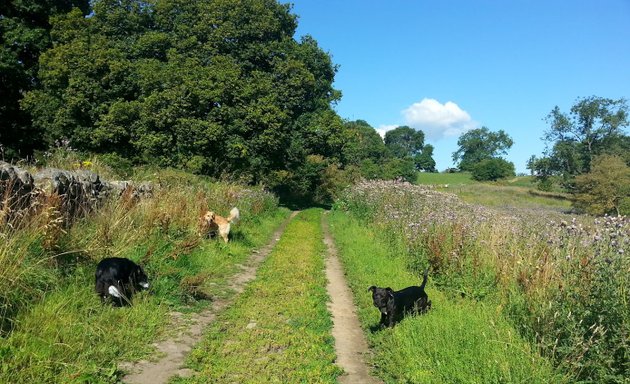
448,66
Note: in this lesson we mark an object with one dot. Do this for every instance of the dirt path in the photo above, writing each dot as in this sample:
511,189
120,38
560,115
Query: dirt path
350,344
173,351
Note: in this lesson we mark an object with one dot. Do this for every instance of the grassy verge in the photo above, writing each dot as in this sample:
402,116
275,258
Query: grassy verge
279,329
458,341
61,333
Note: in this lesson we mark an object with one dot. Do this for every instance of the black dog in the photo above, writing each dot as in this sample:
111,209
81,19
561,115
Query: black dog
395,304
119,278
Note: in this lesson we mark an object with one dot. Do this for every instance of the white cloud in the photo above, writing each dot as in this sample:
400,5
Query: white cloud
438,120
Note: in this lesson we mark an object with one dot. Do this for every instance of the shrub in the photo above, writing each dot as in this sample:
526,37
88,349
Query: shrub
605,187
493,169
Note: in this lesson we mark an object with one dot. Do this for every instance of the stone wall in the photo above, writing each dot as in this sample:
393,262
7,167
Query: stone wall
78,191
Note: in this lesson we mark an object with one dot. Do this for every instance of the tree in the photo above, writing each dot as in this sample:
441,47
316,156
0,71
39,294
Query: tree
405,142
480,144
593,127
362,142
589,129
24,35
606,188
492,169
425,161
221,88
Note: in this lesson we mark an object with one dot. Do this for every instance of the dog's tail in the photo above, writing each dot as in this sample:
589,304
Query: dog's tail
234,215
426,275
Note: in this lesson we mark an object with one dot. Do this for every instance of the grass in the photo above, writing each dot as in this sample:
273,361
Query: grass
56,330
69,337
560,280
499,196
442,179
279,329
458,341
519,192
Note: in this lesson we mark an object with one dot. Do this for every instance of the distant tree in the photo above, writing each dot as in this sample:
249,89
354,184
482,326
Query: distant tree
542,169
492,169
362,142
606,188
594,126
397,168
24,35
480,144
406,142
425,161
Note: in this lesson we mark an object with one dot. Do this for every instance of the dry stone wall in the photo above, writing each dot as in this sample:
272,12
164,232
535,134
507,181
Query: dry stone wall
77,191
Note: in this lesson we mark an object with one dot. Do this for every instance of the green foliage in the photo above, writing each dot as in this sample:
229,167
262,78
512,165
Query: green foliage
594,126
480,144
218,88
24,35
404,141
362,142
606,188
424,161
493,169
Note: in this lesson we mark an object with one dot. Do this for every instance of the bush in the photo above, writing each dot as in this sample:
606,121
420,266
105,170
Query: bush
606,188
493,169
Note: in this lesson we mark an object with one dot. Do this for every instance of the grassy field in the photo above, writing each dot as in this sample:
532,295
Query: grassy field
443,179
57,331
279,329
458,341
519,192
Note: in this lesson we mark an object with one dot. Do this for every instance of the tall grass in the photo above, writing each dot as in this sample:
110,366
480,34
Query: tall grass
457,341
562,282
54,327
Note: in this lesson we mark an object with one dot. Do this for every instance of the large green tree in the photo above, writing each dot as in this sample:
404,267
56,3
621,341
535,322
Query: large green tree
24,35
406,142
480,144
218,87
362,142
594,126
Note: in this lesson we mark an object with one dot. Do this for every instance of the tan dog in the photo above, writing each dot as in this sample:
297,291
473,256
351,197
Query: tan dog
213,223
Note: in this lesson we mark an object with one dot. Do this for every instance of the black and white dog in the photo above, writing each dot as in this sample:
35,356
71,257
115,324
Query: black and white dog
393,305
119,278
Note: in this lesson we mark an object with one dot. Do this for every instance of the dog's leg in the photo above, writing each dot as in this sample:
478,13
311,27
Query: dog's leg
383,321
391,320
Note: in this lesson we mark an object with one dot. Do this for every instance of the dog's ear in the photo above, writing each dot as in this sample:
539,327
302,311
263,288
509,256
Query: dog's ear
390,292
372,289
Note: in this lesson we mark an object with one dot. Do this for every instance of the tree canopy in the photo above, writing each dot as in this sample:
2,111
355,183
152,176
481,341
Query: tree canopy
406,142
24,35
480,144
594,126
218,87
